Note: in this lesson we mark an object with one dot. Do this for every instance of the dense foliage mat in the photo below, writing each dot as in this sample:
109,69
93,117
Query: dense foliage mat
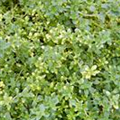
59,59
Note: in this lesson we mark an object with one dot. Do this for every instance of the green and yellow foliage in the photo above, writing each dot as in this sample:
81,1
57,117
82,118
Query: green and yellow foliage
59,59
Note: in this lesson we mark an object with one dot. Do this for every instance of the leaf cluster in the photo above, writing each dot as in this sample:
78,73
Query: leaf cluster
60,60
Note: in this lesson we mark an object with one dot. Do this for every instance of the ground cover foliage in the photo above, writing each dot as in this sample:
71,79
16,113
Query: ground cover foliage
59,60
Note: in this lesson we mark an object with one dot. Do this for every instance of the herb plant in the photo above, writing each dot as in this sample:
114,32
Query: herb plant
60,60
